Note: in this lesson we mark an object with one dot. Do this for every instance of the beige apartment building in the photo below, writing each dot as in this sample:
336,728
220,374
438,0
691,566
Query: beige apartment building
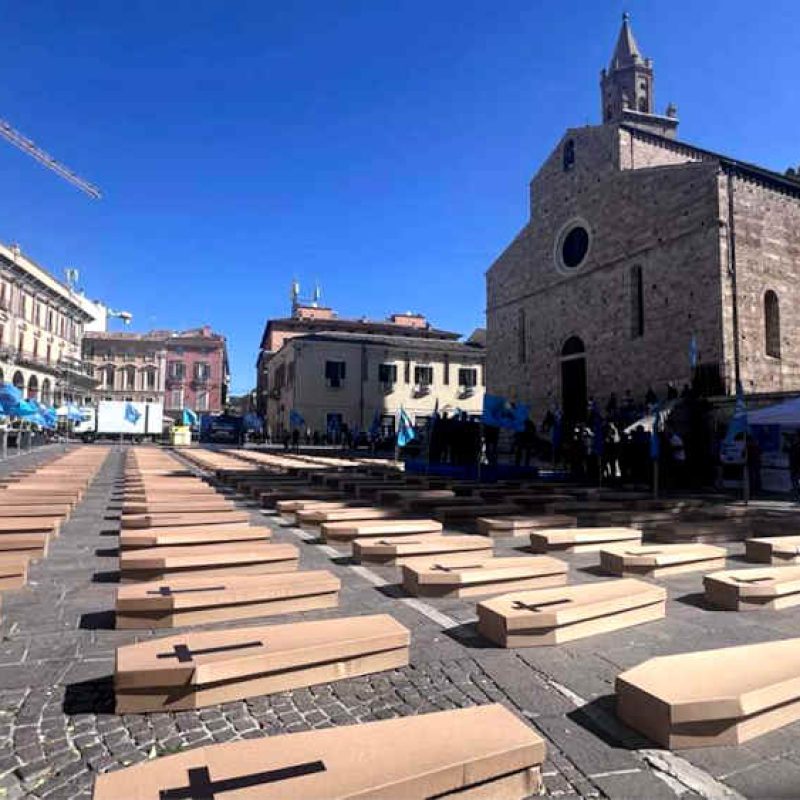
41,327
335,379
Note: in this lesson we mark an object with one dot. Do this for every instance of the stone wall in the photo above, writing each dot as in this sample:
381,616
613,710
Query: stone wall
664,219
767,230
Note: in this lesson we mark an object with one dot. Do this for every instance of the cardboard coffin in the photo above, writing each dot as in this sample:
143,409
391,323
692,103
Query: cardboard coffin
712,697
517,525
492,575
201,534
554,616
749,589
581,540
12,500
469,753
173,520
657,561
198,668
401,550
33,545
194,601
31,510
13,571
468,512
236,558
29,524
193,506
315,518
347,531
404,494
773,550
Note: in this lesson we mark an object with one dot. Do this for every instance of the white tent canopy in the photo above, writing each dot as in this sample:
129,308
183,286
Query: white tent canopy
786,414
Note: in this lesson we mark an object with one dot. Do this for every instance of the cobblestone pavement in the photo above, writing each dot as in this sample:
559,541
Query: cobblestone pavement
58,729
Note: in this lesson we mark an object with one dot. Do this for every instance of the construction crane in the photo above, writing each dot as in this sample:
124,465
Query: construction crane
29,147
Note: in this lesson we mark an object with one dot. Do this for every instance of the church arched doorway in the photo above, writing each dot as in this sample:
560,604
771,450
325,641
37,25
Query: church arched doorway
573,379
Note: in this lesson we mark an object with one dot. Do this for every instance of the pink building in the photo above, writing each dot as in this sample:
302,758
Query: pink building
197,375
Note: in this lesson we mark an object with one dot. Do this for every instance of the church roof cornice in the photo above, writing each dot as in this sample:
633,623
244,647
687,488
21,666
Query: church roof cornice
742,169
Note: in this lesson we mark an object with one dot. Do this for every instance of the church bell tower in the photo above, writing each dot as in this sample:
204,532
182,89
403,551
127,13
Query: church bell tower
626,88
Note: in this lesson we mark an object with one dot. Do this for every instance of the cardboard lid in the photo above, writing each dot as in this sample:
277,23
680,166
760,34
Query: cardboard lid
727,683
439,572
422,544
206,555
27,524
196,592
787,545
411,758
336,514
759,581
153,537
30,510
309,503
200,657
376,527
564,605
569,536
657,555
522,521
155,519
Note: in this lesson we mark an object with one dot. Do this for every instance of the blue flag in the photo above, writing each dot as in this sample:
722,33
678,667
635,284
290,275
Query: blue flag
405,429
296,419
375,428
501,413
693,351
655,439
131,414
738,424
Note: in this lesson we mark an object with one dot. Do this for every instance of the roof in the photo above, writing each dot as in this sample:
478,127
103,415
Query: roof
477,338
627,51
355,326
743,168
411,343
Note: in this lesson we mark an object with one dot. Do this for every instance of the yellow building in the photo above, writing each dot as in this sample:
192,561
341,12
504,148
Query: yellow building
41,327
336,380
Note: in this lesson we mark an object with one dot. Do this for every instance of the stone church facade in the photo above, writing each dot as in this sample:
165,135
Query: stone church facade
638,245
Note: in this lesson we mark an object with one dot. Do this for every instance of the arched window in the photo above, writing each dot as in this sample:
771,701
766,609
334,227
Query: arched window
772,325
33,387
573,347
568,156
18,380
46,397
637,302
107,374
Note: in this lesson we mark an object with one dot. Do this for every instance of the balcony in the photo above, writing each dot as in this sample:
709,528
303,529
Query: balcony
422,390
465,392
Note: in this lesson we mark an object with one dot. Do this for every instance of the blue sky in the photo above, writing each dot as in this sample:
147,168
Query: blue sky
381,148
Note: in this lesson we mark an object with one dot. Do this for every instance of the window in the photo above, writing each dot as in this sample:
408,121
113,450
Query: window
772,325
150,379
468,377
387,373
574,246
177,370
423,376
50,319
407,371
129,379
201,401
637,302
202,371
334,373
568,156
108,377
522,334
176,398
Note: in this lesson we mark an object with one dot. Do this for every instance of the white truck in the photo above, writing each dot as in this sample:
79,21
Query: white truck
121,419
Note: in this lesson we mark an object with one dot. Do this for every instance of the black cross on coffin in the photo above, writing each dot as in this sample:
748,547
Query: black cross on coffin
201,787
456,568
519,605
168,591
184,653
